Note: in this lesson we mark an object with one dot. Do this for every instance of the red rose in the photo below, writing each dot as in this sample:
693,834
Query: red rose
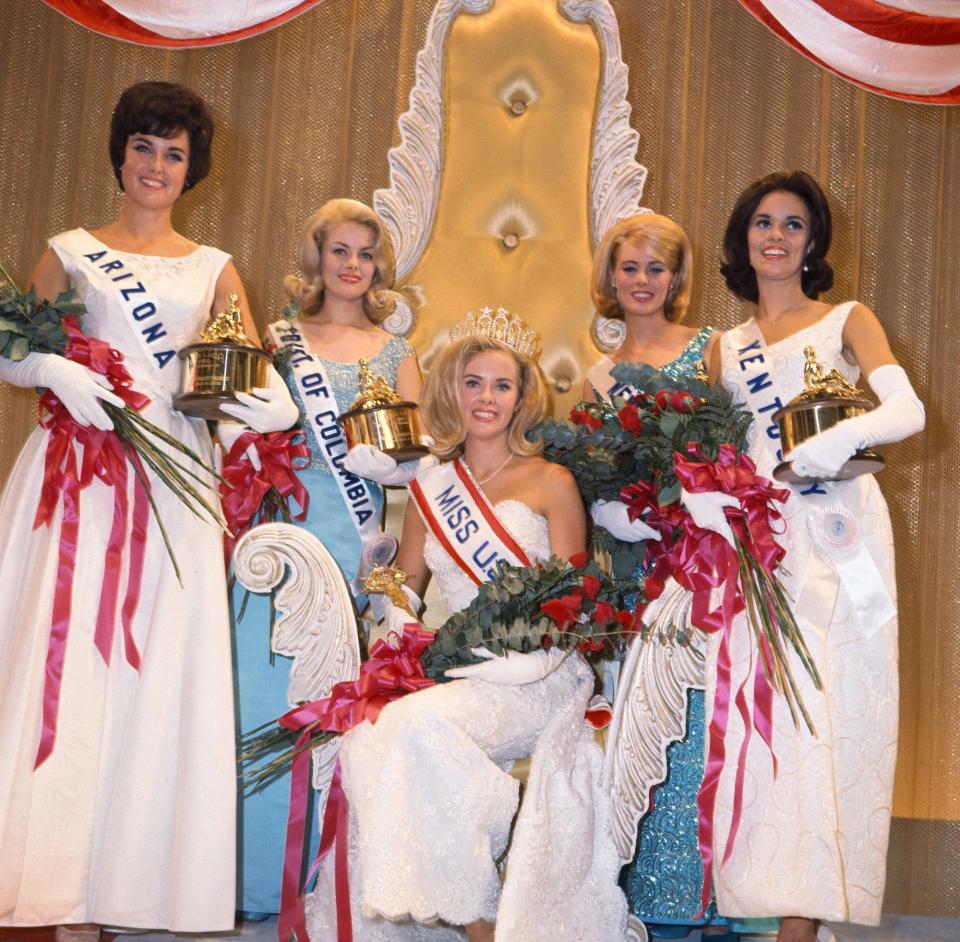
583,417
630,419
563,610
591,586
683,401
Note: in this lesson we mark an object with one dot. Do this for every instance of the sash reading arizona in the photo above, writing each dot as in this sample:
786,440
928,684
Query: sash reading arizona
136,303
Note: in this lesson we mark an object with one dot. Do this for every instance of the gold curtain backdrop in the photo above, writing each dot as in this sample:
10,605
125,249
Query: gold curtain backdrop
309,110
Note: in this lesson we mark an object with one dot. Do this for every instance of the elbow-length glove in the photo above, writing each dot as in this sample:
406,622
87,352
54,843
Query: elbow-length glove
899,415
614,517
371,463
78,388
267,408
514,668
707,510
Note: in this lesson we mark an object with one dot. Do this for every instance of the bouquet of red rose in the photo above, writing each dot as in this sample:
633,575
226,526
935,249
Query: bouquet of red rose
674,435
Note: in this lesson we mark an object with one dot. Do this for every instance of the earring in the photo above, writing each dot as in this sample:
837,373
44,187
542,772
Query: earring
806,267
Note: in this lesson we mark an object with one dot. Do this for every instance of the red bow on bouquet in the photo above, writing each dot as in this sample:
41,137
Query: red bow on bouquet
244,488
701,560
105,458
392,671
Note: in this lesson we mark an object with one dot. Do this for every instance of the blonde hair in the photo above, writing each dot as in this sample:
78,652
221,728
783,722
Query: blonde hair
661,237
307,289
440,398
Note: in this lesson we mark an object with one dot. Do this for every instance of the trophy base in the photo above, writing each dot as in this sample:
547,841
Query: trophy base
204,405
407,452
863,462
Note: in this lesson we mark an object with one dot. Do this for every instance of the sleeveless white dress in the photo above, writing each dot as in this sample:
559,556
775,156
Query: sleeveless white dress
813,839
131,820
431,803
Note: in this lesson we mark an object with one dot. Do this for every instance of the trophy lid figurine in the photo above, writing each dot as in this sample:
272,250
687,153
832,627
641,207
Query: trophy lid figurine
223,362
379,417
827,399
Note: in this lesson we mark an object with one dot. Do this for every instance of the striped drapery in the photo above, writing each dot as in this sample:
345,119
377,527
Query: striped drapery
175,24
906,49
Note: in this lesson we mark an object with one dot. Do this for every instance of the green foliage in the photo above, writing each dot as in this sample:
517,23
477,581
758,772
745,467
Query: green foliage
609,446
29,323
506,613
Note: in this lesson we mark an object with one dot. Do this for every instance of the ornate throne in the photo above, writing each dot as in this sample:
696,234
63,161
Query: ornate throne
515,155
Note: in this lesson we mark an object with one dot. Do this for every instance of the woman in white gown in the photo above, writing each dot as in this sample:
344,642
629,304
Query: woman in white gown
812,838
117,785
431,801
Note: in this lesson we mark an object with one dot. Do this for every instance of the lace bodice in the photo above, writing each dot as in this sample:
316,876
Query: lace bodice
344,379
527,527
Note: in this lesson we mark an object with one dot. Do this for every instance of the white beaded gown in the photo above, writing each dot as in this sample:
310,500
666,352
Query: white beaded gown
131,820
813,838
431,803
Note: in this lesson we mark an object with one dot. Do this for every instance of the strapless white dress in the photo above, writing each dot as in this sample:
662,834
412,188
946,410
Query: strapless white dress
431,803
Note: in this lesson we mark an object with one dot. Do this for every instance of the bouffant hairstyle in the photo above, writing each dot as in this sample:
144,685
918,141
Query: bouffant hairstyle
307,288
440,397
817,275
163,109
661,237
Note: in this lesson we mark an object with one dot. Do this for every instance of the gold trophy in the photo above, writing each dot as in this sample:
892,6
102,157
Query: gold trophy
379,417
826,400
221,363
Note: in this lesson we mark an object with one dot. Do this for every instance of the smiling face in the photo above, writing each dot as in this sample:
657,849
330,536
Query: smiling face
778,236
489,392
347,264
154,168
641,280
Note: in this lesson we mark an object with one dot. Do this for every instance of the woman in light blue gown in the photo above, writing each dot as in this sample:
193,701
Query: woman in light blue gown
341,298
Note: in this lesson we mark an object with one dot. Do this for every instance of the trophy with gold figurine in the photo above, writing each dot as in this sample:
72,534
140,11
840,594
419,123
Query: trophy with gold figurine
220,364
827,399
380,417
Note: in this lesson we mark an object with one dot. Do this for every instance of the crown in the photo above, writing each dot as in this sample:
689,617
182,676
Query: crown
498,325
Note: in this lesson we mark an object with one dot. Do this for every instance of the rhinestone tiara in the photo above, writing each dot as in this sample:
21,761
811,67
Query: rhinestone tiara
498,325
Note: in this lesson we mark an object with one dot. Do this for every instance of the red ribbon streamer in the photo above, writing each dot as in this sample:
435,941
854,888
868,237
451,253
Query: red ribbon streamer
103,457
244,487
701,560
390,673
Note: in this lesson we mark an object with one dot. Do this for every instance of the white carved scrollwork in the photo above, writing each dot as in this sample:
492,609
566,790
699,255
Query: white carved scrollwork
616,179
315,622
409,204
650,712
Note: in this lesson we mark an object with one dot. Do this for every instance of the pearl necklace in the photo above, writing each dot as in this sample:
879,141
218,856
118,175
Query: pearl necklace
490,477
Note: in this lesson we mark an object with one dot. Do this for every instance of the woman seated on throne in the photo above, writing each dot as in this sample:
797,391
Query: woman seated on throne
431,799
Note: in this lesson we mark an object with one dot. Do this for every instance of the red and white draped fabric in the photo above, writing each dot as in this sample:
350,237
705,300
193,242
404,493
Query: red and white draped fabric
906,49
179,23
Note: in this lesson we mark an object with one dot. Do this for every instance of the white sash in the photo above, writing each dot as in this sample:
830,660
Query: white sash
835,531
322,409
605,384
458,514
134,297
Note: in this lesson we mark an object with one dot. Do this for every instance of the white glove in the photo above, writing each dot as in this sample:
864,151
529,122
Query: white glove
706,508
79,389
394,617
899,415
228,433
614,516
270,409
373,464
514,668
